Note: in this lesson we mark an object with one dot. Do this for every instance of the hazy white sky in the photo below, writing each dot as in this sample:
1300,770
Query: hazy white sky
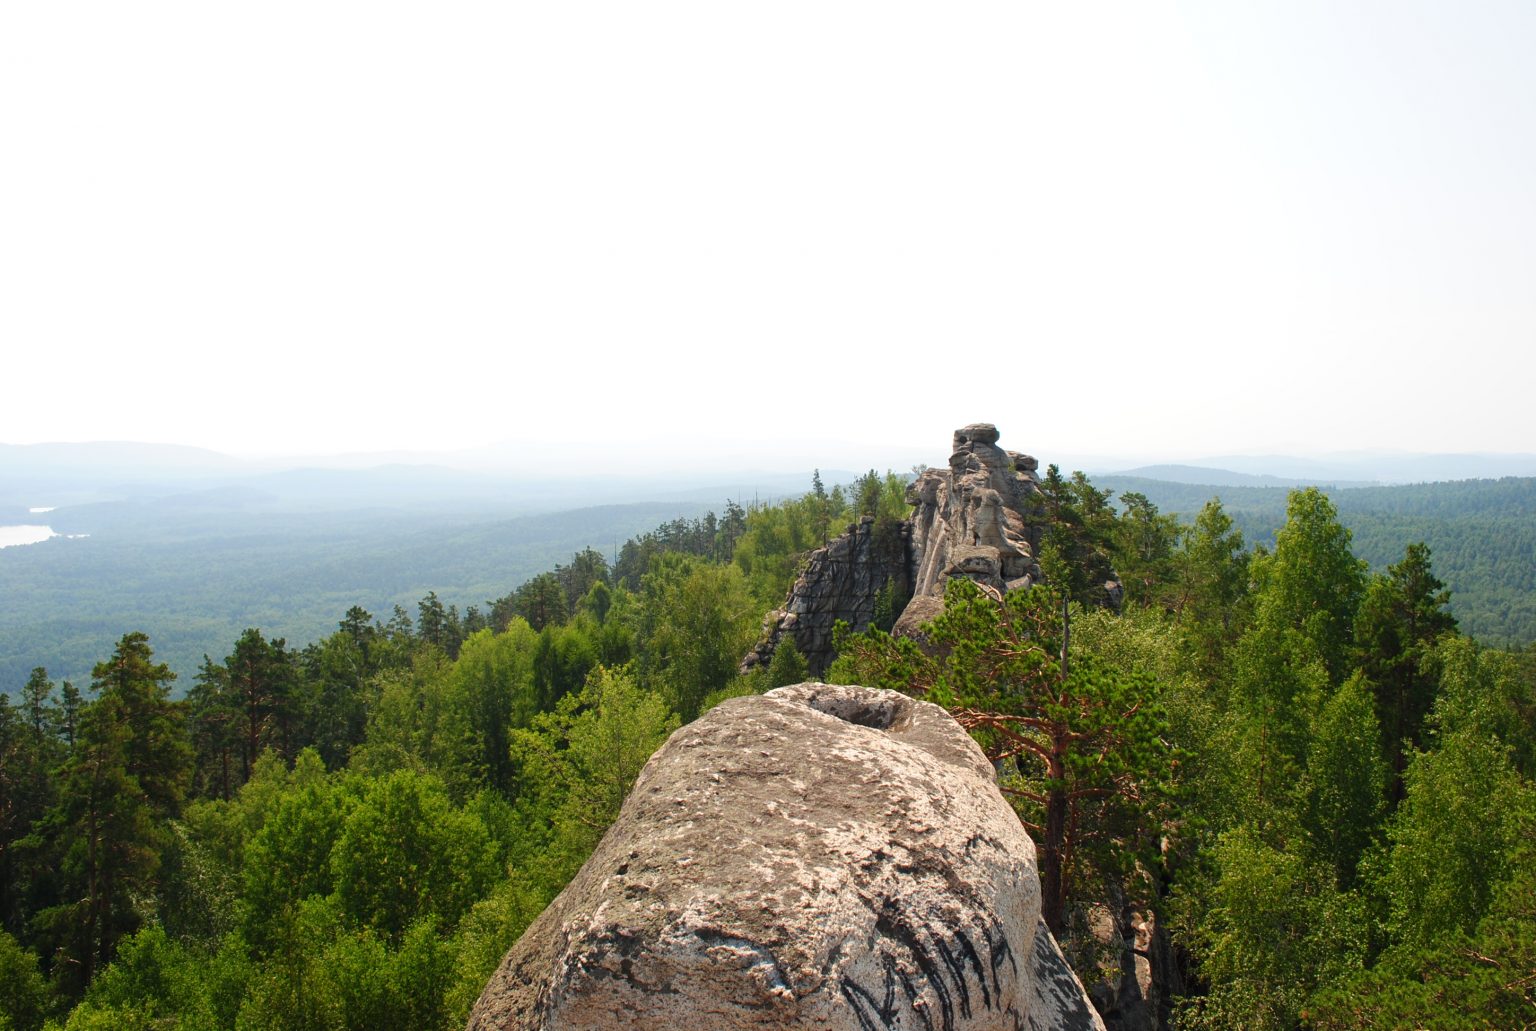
1143,228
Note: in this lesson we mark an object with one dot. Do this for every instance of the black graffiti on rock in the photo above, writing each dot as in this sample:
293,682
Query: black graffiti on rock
948,962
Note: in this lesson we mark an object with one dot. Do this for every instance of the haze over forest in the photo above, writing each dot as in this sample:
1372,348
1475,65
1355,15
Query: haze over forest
405,402
1296,707
193,546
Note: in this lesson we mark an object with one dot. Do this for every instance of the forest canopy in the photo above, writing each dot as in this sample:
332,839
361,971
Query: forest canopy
1290,775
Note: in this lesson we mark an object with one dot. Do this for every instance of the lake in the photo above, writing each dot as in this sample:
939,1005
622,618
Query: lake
10,536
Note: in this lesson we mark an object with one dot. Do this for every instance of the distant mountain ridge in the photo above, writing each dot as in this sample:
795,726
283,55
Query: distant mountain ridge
1208,477
194,556
114,457
66,476
544,460
1378,467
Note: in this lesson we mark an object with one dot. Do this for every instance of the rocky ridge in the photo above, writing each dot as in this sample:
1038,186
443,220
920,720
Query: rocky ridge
980,518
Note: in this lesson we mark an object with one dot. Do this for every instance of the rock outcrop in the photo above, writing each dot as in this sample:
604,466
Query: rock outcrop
828,857
842,581
980,518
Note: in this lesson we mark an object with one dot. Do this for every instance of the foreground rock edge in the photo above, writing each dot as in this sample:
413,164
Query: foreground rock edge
821,856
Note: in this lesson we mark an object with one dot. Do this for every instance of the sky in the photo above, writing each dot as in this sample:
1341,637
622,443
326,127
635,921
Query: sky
743,232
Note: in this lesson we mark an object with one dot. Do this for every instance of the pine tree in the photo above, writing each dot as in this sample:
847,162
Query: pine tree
1402,616
263,682
1212,585
1084,744
124,779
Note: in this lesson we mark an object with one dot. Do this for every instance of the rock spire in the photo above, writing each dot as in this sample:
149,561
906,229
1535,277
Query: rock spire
980,517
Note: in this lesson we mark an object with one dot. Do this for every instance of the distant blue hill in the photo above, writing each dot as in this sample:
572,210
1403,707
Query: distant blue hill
1379,467
1209,477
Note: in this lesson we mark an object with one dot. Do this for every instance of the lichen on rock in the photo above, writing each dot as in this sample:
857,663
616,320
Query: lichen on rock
821,856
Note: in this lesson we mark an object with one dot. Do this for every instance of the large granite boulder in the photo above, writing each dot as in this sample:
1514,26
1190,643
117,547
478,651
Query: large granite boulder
817,857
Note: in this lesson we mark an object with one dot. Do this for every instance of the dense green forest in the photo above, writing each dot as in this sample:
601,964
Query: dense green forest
287,552
1315,787
192,576
1482,533
191,547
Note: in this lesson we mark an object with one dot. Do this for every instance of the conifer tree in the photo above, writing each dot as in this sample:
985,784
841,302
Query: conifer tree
125,778
1401,617
263,681
1085,744
1211,585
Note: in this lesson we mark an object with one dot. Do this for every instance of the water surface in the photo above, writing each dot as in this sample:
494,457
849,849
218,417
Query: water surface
11,536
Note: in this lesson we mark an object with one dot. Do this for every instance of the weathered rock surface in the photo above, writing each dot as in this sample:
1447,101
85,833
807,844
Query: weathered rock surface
979,518
841,581
818,857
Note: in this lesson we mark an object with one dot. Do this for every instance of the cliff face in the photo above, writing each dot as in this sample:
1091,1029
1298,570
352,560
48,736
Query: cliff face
842,581
979,518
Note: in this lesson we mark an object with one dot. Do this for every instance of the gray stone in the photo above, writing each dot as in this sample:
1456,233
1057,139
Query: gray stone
1056,996
923,609
978,519
840,582
981,518
818,857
